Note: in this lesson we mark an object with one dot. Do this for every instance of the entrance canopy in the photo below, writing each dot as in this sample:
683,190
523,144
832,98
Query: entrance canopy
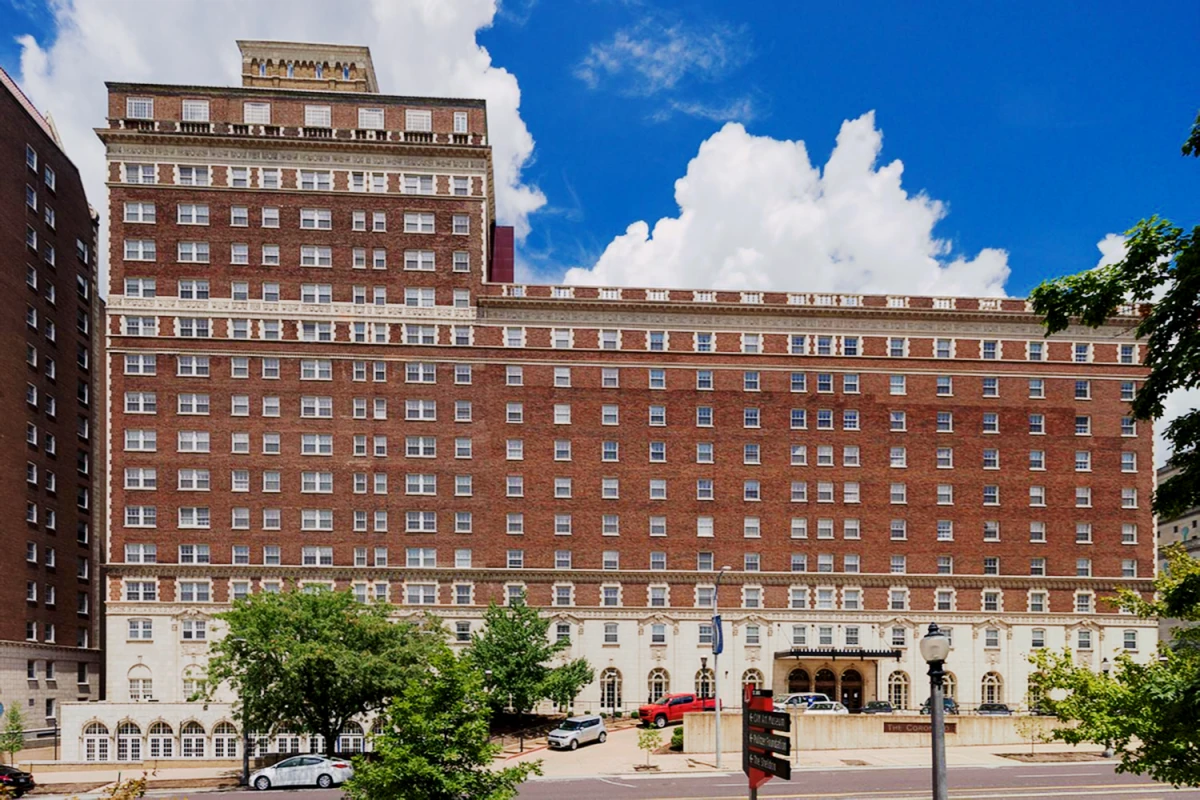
834,653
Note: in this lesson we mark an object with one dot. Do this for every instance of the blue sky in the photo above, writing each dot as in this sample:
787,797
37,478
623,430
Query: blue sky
1042,127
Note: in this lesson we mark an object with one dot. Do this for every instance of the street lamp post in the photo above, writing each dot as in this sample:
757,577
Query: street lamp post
935,646
1106,668
718,643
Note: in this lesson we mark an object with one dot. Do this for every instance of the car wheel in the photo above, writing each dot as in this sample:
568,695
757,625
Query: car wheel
660,721
574,744
262,783
603,736
324,781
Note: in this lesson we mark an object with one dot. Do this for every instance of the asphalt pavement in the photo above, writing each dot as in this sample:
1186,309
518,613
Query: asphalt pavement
1017,782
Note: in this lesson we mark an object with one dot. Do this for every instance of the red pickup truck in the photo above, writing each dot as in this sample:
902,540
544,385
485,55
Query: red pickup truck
672,707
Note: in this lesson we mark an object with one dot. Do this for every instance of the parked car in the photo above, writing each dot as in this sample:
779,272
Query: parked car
800,700
875,707
672,707
576,731
828,707
949,706
16,781
307,770
1041,710
994,710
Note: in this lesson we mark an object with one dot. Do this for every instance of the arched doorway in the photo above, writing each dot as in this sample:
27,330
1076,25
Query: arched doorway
897,690
852,689
992,688
798,681
659,683
225,741
162,740
350,740
753,679
610,688
825,683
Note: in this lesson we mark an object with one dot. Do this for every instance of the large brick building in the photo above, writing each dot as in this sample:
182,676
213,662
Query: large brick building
49,421
322,373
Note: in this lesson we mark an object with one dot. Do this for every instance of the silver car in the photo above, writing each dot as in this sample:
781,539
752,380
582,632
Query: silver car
576,731
307,770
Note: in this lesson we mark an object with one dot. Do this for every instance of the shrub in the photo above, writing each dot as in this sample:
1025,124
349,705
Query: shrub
603,715
677,738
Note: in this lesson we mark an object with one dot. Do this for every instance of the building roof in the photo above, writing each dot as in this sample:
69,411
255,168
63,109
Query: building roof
276,51
24,101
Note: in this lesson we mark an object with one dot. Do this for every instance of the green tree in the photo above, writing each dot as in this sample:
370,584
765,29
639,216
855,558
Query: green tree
315,660
12,739
649,739
1146,712
1161,270
434,742
514,651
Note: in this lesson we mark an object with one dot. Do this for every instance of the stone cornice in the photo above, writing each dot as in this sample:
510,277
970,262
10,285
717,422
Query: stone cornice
577,615
309,95
291,151
688,316
628,577
290,310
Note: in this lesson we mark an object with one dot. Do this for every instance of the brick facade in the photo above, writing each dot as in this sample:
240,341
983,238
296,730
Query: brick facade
605,451
50,428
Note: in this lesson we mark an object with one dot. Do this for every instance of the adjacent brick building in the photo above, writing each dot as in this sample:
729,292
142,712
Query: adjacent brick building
321,373
49,421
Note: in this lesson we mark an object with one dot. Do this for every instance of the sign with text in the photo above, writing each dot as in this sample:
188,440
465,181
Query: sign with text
916,727
760,743
768,719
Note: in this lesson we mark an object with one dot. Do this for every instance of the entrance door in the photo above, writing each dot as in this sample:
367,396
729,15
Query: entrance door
798,681
825,683
852,689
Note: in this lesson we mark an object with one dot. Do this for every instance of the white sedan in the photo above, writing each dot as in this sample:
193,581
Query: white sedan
309,770
827,708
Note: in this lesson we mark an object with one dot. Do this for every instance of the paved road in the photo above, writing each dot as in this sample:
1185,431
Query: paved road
1020,782
967,783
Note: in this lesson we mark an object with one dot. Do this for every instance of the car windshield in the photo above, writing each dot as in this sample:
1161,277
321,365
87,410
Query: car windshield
570,725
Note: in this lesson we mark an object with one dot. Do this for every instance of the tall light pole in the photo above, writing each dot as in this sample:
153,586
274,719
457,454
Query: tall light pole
718,644
935,646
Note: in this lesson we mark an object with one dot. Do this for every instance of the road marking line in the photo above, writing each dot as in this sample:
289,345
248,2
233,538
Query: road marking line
983,793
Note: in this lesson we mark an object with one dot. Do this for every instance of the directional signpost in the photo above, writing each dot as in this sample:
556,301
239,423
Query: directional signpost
761,743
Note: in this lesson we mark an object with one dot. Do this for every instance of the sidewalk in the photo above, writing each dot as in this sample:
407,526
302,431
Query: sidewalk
620,753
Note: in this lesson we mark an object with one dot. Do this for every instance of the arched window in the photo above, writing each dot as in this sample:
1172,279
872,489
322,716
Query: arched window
129,742
316,743
659,683
95,742
610,688
950,686
991,689
291,70
345,72
141,683
225,741
704,682
262,69
351,738
191,740
320,70
751,678
897,687
162,741
798,681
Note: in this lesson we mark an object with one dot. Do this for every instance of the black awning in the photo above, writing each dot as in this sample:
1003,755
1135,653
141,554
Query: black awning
835,653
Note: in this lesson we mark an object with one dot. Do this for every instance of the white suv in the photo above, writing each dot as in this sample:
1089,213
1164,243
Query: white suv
576,731
800,700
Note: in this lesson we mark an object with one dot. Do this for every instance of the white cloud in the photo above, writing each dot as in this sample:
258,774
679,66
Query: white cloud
740,109
419,48
755,213
652,56
1112,250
